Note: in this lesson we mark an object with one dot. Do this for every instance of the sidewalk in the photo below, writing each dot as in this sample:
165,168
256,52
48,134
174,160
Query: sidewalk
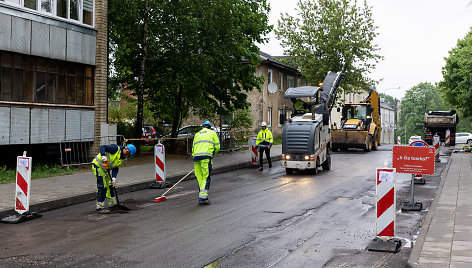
60,191
445,239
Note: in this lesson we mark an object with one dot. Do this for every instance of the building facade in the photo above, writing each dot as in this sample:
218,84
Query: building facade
388,123
53,56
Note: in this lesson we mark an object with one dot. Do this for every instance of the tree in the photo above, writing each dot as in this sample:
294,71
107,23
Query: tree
457,75
418,100
331,35
195,54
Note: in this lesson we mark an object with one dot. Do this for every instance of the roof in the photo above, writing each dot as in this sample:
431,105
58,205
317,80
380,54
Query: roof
273,60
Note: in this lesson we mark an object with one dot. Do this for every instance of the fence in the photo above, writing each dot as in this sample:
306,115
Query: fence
76,152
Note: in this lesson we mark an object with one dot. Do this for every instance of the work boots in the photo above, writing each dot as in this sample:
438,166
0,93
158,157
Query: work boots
270,164
203,202
102,211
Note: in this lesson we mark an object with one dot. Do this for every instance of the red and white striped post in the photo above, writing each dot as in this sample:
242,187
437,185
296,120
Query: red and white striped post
385,197
436,147
399,142
252,147
448,137
385,240
23,183
159,166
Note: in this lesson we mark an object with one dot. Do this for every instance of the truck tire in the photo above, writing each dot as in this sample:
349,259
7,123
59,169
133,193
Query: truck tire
327,163
368,144
289,171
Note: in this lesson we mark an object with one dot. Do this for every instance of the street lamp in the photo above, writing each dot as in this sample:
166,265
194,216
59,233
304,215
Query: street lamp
406,121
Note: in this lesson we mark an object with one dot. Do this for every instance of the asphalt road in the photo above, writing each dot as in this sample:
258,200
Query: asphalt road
256,219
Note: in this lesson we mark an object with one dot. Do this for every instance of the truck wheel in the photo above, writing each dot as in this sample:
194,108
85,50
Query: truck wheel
289,171
368,144
327,163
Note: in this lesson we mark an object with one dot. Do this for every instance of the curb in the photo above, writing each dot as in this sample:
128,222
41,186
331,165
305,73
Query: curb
418,245
86,197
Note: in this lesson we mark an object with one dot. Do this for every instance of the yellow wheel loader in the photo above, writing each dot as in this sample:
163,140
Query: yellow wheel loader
360,125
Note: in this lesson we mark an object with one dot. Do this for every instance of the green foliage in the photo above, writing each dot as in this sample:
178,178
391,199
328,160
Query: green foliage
194,53
331,35
418,100
457,74
242,120
39,171
125,129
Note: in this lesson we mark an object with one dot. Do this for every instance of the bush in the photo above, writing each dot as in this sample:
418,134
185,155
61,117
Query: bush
125,129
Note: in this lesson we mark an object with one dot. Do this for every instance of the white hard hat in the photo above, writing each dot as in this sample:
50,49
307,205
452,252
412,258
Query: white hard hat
263,124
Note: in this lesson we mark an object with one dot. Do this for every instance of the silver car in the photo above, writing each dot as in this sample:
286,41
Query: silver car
464,137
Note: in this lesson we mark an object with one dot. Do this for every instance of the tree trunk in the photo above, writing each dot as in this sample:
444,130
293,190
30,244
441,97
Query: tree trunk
140,89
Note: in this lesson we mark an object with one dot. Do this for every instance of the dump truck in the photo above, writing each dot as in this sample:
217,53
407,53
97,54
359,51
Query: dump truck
438,122
360,125
306,137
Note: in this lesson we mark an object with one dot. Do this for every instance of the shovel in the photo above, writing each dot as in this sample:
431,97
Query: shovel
118,205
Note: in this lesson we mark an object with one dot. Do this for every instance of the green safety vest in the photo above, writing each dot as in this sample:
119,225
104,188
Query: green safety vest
205,144
114,160
264,135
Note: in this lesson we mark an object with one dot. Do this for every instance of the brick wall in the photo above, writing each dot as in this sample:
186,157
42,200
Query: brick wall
100,85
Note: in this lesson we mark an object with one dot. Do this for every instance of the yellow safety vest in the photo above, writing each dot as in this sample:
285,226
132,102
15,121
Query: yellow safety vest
264,135
205,144
114,160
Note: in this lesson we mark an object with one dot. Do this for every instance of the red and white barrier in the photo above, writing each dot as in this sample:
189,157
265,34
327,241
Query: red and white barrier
399,142
448,137
160,163
436,147
252,147
385,198
23,183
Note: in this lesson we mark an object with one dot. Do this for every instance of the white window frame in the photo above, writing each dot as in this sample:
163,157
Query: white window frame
269,117
292,83
270,76
299,82
281,81
281,112
53,12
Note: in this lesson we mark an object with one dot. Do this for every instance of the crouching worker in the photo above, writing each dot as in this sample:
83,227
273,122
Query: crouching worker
205,145
110,158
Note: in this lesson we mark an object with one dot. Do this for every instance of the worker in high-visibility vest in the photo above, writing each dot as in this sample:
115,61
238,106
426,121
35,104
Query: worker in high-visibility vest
300,106
205,145
110,158
264,143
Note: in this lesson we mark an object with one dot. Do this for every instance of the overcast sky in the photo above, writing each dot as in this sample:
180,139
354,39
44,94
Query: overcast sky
414,37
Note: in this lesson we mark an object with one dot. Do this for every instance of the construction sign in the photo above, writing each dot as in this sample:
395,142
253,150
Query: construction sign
413,159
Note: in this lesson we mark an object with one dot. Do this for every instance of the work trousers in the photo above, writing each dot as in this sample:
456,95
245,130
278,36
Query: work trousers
203,172
263,149
103,187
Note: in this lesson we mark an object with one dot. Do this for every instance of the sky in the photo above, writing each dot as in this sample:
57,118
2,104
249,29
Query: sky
414,36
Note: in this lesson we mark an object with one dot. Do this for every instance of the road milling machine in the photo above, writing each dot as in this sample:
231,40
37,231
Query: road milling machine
360,125
306,137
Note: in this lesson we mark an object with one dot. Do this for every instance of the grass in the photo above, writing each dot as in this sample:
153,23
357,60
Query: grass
39,171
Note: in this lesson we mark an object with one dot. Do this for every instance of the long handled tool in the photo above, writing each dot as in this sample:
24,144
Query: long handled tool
162,197
118,205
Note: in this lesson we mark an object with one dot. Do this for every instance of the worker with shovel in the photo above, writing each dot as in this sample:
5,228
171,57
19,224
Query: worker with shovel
110,158
205,145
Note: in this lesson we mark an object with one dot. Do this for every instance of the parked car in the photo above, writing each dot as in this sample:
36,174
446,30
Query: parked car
190,131
148,133
414,138
464,137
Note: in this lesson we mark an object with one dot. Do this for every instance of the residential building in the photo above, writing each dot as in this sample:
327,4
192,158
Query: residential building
53,56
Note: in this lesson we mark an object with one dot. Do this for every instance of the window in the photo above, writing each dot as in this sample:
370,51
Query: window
290,81
269,76
269,117
77,10
46,5
74,9
281,115
299,82
61,10
28,79
281,81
